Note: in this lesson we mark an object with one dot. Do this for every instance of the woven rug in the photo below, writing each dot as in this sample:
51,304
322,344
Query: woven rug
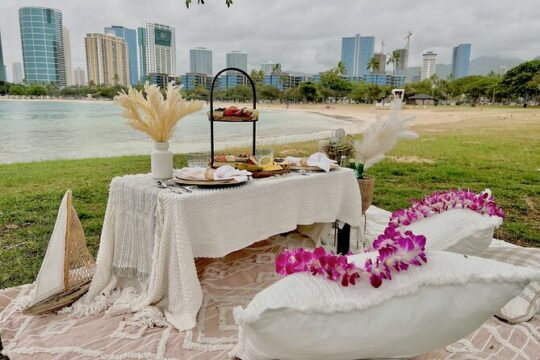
227,282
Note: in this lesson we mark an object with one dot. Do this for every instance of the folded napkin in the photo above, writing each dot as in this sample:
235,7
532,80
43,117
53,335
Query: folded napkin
221,173
319,160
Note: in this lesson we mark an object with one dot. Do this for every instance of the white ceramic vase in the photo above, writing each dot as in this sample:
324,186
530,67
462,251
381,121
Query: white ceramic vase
162,161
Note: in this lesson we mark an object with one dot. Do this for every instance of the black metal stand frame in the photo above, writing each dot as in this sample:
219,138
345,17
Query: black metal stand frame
343,240
211,115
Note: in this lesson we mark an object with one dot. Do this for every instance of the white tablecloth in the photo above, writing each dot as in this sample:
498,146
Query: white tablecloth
151,236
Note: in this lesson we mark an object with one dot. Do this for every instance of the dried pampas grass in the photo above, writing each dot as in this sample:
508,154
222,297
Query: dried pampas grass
382,135
153,114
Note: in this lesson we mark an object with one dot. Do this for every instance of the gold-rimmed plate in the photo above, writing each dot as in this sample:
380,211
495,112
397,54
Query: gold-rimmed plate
209,183
312,168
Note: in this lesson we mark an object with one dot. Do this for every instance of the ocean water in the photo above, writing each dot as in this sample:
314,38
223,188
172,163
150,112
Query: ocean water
47,130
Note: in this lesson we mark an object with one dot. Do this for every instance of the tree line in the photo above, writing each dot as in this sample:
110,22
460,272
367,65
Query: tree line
520,84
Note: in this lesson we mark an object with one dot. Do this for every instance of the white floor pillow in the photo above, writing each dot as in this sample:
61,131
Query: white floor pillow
458,230
307,317
522,308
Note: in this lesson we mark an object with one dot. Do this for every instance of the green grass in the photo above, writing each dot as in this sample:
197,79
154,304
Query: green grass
499,154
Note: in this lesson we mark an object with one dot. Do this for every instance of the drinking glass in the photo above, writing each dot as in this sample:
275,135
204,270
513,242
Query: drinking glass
201,159
264,152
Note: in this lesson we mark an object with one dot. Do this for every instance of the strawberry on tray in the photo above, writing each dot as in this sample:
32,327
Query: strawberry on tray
233,113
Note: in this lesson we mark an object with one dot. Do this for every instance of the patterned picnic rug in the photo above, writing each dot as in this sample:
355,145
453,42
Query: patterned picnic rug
227,282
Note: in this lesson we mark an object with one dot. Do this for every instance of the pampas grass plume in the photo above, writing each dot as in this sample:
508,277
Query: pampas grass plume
152,114
382,135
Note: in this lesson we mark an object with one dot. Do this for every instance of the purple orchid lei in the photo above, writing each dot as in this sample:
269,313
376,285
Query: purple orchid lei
438,202
396,252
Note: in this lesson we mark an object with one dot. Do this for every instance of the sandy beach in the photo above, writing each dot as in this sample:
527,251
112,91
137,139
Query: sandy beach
424,116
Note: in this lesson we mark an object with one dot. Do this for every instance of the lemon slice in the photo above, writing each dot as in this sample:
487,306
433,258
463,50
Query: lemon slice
265,160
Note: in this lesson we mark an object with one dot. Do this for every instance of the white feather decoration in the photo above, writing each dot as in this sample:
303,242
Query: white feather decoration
382,135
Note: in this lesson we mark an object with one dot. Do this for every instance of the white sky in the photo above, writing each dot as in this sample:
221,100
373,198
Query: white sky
302,35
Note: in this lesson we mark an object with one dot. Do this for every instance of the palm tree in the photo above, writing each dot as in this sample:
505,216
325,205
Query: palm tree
394,59
340,69
116,78
373,65
276,69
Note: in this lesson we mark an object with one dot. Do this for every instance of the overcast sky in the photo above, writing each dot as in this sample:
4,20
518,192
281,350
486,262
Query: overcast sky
302,35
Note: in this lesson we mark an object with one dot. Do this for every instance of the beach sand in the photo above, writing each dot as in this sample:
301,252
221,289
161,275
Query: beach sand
430,118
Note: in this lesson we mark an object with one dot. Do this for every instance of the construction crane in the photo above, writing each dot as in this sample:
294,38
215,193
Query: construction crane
408,38
405,61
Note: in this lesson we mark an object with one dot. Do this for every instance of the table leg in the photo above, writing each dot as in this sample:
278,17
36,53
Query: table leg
343,240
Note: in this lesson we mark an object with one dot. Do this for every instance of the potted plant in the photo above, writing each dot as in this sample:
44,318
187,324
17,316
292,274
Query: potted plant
380,137
148,111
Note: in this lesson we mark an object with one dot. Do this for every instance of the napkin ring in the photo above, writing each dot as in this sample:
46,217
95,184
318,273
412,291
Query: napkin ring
209,174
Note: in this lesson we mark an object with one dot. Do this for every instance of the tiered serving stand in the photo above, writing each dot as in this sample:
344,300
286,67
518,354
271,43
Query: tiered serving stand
212,113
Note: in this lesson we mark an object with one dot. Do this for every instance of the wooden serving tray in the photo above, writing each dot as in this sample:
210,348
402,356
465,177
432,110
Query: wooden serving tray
264,174
218,116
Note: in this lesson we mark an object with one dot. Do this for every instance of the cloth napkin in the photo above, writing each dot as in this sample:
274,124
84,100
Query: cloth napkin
221,173
318,159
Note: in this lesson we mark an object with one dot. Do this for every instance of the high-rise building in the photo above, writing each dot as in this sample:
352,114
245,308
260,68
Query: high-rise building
17,73
237,59
3,76
381,58
130,37
67,56
107,59
356,52
157,50
403,63
200,61
268,67
79,77
429,62
42,45
461,57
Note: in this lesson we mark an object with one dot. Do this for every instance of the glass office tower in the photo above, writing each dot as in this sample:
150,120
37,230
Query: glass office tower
3,76
42,46
200,61
356,52
460,60
157,50
237,59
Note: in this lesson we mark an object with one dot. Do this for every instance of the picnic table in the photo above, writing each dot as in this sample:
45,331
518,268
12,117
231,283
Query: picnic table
151,236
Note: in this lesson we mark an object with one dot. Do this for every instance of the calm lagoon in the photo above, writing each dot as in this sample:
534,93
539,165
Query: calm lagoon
46,130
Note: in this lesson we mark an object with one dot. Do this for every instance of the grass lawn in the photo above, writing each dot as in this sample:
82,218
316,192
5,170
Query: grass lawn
500,154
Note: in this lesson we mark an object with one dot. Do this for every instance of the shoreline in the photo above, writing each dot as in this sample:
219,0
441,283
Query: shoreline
354,118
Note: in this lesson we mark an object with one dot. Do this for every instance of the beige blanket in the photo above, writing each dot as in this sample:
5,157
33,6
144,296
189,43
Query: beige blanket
226,283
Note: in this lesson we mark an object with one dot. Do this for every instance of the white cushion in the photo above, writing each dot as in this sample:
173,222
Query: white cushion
523,307
306,317
462,231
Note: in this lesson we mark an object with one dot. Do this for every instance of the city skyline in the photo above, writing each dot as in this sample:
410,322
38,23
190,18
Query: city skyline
315,45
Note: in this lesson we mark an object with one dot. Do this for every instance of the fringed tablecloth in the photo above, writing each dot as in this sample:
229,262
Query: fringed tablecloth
151,236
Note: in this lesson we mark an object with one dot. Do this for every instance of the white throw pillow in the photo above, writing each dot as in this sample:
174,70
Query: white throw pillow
523,307
462,231
306,317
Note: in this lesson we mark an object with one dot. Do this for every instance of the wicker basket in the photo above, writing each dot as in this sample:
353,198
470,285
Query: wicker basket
366,185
